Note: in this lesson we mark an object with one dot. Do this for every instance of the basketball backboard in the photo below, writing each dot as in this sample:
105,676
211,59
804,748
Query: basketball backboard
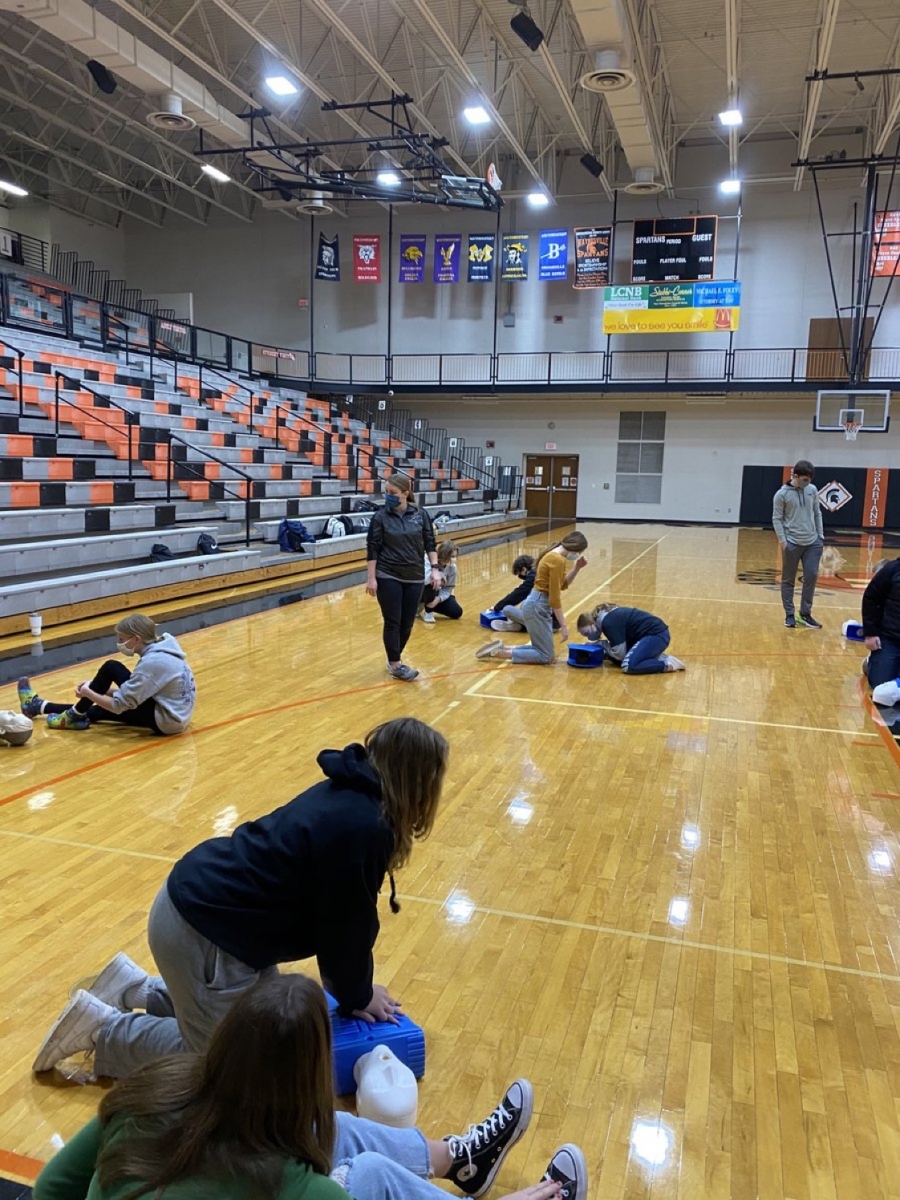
869,409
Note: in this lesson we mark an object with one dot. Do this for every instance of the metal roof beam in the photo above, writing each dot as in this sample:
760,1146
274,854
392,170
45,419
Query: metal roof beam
819,62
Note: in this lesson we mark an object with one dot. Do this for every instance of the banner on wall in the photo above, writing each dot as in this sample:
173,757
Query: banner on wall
592,257
672,308
514,256
412,257
328,259
481,258
367,257
553,260
447,251
886,244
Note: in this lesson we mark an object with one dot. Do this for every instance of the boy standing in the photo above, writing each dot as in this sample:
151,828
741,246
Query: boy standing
797,517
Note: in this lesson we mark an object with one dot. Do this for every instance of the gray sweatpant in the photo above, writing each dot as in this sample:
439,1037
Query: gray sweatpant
199,983
791,558
537,617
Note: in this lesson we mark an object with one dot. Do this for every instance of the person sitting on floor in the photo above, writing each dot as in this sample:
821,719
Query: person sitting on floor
441,600
159,694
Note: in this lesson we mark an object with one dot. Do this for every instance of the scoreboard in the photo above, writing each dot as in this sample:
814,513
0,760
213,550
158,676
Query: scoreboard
674,249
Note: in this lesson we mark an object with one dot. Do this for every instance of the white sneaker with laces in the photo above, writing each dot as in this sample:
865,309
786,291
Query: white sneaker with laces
507,626
673,663
428,617
118,977
74,1030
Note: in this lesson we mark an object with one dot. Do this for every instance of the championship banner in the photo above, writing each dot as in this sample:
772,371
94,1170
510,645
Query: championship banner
481,258
672,308
514,256
412,257
592,257
328,259
367,258
553,261
447,251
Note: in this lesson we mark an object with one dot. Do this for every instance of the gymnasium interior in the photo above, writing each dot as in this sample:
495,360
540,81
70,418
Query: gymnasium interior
612,266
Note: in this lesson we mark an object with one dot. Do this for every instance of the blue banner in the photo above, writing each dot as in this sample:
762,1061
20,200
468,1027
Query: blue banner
412,257
328,259
514,260
447,251
481,258
553,261
717,295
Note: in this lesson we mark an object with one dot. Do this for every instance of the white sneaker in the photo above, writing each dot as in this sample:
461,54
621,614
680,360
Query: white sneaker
507,626
73,1031
491,650
428,617
673,663
887,693
116,978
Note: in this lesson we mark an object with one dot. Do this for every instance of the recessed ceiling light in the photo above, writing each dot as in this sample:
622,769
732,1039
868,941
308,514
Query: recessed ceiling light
215,173
281,85
538,199
730,187
387,178
12,188
476,115
731,117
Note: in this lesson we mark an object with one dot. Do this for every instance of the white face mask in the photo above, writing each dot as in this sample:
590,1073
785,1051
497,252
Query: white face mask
572,555
124,648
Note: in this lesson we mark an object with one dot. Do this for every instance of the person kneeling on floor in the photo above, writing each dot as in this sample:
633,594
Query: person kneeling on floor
159,694
881,631
636,639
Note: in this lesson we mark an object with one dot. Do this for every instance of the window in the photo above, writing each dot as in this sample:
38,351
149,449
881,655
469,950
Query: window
639,461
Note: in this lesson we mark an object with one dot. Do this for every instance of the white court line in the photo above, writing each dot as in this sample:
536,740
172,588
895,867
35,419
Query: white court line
53,841
453,704
607,582
680,716
479,683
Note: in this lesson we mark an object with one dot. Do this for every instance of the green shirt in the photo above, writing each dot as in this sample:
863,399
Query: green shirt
71,1175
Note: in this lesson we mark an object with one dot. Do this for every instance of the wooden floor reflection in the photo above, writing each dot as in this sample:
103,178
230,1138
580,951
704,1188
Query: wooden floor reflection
671,901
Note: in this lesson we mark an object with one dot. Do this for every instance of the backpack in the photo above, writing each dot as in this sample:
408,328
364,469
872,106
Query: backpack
361,524
362,506
442,520
292,536
336,527
207,544
159,552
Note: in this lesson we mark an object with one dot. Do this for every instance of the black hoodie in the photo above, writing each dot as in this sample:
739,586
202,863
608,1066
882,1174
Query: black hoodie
300,882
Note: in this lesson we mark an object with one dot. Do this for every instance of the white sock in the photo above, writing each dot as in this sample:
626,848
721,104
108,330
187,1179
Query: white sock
137,995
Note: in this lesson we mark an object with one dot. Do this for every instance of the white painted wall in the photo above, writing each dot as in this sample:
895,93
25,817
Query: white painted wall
707,447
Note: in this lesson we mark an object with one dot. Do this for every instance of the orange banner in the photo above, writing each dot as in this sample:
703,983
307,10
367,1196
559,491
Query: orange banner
876,497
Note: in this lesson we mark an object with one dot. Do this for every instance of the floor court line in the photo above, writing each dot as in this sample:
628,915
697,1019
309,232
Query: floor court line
881,730
680,716
20,1165
584,599
47,840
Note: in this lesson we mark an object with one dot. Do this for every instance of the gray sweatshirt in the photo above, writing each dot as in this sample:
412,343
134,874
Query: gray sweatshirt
161,675
797,515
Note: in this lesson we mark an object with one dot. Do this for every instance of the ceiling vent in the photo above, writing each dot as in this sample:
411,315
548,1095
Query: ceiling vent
608,74
315,205
644,183
170,118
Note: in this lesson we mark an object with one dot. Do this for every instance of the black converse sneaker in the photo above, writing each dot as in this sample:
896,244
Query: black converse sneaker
478,1153
568,1168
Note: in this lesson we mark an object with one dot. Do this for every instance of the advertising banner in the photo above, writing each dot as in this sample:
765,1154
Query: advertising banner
672,308
367,257
412,257
447,251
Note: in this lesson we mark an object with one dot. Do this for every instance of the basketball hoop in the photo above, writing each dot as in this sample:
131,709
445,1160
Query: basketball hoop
851,429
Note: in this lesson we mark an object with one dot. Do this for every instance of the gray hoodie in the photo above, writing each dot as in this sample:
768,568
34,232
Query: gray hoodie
797,515
161,675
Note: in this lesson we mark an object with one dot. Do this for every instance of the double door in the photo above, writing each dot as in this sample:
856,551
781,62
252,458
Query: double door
551,487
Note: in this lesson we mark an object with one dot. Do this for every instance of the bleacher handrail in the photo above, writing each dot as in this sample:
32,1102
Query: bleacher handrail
20,354
73,385
186,465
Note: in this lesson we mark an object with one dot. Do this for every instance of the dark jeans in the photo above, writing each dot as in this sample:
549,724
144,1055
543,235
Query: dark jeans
791,558
884,664
399,603
112,672
447,608
645,656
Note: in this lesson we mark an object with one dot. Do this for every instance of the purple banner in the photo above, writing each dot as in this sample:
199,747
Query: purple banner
447,251
412,257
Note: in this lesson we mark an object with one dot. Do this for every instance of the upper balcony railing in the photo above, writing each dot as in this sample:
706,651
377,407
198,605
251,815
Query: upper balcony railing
32,304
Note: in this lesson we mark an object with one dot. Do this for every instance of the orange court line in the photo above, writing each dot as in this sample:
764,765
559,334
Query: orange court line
885,796
883,731
17,1164
261,712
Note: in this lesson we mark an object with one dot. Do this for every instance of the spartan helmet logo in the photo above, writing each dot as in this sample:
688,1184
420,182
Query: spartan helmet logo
327,254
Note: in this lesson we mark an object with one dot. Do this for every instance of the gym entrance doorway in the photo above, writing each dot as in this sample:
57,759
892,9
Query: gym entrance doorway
551,487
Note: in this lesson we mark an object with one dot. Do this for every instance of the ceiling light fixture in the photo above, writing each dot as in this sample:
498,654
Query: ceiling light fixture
731,117
388,178
538,199
281,85
591,164
730,187
12,188
215,173
477,115
524,28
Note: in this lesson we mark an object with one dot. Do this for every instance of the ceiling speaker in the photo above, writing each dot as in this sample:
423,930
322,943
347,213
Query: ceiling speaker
523,26
105,80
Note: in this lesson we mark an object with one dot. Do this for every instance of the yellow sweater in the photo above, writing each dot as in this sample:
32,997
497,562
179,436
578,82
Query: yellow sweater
551,577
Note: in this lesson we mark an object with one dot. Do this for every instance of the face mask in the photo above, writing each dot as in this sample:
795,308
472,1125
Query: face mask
572,555
392,501
123,648
593,634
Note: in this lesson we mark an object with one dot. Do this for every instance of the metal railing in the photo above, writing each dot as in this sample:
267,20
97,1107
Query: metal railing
184,466
62,382
20,356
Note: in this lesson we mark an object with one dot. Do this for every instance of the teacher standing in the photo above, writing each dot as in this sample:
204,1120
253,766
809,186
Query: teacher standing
400,537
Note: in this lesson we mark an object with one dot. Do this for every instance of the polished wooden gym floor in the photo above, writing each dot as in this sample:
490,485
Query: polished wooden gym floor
672,902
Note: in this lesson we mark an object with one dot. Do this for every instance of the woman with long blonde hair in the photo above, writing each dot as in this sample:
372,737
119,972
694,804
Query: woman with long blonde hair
159,694
556,569
301,882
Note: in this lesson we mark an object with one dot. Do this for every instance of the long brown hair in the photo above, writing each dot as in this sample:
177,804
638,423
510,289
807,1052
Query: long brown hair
261,1095
573,542
410,759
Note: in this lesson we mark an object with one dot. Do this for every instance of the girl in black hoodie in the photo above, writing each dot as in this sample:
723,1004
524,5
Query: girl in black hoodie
299,883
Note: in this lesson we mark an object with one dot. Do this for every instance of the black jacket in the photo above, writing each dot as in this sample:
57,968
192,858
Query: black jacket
881,603
624,628
300,882
518,594
398,542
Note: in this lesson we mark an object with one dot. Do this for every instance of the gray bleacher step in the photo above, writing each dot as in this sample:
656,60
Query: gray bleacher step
52,557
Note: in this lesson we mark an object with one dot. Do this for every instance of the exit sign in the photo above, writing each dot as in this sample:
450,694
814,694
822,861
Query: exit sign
550,445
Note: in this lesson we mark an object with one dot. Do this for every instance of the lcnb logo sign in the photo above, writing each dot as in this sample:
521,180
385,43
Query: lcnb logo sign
834,496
